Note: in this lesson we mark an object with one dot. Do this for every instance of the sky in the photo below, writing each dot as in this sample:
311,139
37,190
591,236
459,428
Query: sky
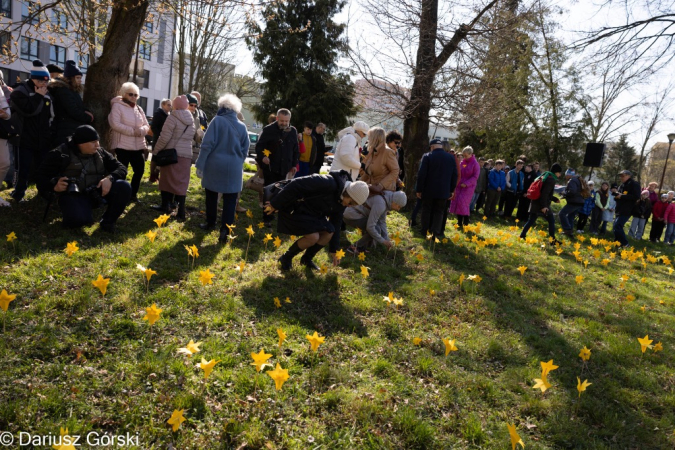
574,18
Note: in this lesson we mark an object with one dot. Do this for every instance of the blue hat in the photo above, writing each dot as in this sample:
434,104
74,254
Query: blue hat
570,172
435,142
71,70
39,71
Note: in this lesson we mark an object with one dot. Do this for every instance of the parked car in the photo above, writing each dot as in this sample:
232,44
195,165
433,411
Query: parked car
328,156
254,140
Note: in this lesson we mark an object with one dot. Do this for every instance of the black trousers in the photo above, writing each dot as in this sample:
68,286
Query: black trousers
510,203
137,161
596,219
229,205
432,215
657,230
77,208
523,209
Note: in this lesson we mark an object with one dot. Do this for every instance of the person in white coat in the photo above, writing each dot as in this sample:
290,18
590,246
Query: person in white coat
347,152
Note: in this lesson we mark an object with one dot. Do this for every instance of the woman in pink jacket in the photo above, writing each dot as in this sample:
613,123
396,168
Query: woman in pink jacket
468,177
669,218
129,127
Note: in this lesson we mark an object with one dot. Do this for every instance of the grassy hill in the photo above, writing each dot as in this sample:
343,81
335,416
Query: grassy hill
76,359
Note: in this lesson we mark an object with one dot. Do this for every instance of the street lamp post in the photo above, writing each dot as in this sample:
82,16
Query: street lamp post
671,138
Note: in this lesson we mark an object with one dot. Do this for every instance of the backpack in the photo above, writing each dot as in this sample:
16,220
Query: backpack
534,191
585,190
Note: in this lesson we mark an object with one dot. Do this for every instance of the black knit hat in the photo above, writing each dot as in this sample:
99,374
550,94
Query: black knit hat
53,68
556,168
85,133
71,69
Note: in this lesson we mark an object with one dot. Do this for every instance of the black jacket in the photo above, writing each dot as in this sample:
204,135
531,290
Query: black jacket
57,161
573,192
158,120
630,193
528,180
643,209
35,113
437,175
69,111
283,147
545,196
320,144
316,195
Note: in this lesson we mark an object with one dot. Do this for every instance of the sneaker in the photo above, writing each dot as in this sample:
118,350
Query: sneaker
580,231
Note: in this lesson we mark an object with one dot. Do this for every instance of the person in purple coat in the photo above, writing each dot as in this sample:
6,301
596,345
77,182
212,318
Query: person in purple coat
469,170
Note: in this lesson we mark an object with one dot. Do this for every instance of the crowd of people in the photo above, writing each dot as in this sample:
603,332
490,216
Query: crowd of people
45,123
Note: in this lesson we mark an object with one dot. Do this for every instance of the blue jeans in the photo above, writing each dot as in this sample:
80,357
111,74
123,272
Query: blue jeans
637,228
670,234
474,199
533,219
77,208
567,216
619,233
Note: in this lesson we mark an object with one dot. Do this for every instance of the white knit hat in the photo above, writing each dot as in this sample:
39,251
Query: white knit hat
357,191
361,126
399,198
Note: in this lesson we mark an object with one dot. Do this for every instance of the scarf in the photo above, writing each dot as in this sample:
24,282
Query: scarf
128,102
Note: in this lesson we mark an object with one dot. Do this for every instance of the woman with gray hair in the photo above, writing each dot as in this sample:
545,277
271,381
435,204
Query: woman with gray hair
129,127
468,177
223,151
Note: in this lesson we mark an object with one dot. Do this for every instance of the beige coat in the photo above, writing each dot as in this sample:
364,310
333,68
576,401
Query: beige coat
129,126
381,167
177,132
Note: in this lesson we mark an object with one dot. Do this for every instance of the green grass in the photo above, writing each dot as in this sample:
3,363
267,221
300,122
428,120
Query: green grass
73,358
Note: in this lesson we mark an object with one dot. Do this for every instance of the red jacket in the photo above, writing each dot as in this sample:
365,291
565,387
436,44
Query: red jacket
659,209
670,213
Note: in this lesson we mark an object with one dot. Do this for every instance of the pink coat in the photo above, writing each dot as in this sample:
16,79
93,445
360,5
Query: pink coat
129,126
468,176
669,215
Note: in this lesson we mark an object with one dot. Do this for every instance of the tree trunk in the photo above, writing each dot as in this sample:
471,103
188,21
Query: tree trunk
106,76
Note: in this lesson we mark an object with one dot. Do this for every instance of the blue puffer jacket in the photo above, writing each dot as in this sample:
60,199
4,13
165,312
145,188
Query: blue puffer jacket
589,204
496,179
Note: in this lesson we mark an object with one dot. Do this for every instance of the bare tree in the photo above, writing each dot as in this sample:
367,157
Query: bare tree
654,113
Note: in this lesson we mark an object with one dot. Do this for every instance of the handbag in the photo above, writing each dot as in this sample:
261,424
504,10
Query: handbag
167,156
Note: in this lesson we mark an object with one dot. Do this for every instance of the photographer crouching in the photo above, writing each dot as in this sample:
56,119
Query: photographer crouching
83,176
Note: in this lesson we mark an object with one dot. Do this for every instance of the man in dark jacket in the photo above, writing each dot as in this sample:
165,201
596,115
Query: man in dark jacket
69,110
312,207
629,193
542,205
320,142
575,201
524,202
436,181
84,176
276,152
32,105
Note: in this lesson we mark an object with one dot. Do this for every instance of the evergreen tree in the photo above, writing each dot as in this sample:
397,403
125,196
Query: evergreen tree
296,53
619,156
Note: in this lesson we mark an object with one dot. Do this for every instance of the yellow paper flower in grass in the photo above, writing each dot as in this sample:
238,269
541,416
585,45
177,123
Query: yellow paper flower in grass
279,375
152,314
398,302
397,240
101,283
207,366
522,270
581,387
362,256
541,383
66,441
260,359
151,235
190,349
419,257
449,346
559,251
625,278
282,336
206,277
176,419
324,269
268,237
643,280
161,220
605,261
288,300
585,264
416,341
11,237
364,272
277,242
658,347
261,225
195,251
240,267
293,237
249,214
230,227
475,278
585,353
388,298
579,279
643,308
277,303
547,367
188,250
645,343
250,231
515,439
149,273
630,297
340,254
315,340
71,247
5,299
461,279
432,292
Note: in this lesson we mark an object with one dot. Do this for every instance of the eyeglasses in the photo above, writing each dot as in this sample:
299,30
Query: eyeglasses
131,94
397,142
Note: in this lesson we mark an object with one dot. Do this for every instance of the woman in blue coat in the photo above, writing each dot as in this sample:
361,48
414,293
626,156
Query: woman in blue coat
220,162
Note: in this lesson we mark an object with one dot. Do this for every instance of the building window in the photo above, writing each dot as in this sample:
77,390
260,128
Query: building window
143,103
28,8
5,44
6,8
82,61
144,50
149,26
29,48
157,105
146,79
60,20
57,55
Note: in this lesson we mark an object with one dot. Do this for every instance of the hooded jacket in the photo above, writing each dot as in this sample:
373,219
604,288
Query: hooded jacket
177,132
347,154
33,113
69,110
129,125
630,193
375,211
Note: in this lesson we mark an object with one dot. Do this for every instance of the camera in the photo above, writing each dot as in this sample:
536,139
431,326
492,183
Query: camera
95,197
72,188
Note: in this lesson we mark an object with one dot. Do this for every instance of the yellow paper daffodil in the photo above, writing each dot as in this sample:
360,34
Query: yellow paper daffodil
267,153
260,360
579,279
362,256
541,383
11,237
585,354
340,254
449,346
416,341
279,375
323,269
261,225
645,343
250,231
515,439
315,340
161,220
151,235
658,347
207,366
461,279
101,283
581,387
282,336
249,214
277,242
176,419
522,270
152,314
190,349
5,299
364,271
277,303
71,247
206,277
546,367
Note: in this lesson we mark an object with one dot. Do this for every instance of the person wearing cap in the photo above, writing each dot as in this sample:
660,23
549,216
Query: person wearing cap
603,211
84,176
69,110
671,196
436,182
129,126
55,71
312,207
628,194
641,213
174,179
542,205
193,107
277,152
658,221
574,202
587,209
203,118
223,152
380,167
34,109
371,217
347,155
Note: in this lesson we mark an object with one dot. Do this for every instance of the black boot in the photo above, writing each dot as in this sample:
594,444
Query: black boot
180,214
164,207
310,253
286,260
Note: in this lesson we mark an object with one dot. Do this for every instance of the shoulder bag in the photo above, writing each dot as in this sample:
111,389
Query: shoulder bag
168,156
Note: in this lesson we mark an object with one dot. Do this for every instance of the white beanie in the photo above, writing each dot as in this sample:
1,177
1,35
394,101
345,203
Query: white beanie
357,191
399,198
361,126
